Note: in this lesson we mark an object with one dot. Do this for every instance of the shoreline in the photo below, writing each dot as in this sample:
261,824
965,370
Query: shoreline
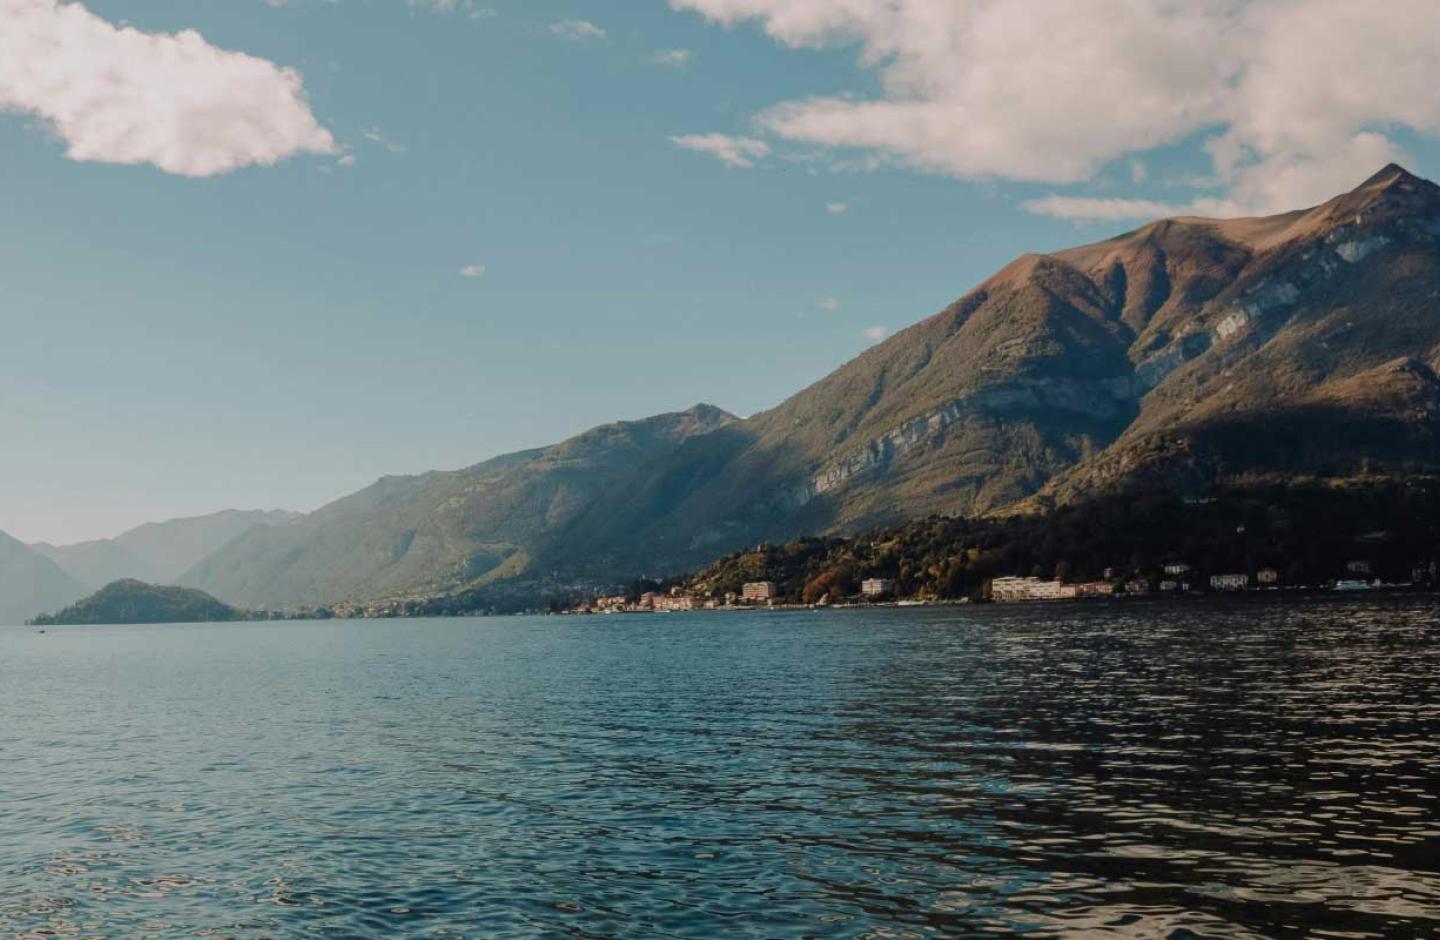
1306,591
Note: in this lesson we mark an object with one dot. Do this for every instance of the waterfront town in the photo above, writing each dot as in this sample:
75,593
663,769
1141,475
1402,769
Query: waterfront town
1176,578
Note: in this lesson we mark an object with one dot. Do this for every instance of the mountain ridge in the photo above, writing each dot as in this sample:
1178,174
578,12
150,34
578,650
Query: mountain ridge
425,533
31,583
156,552
1182,353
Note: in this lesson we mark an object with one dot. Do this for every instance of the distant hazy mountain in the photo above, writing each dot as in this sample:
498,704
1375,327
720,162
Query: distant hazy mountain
172,548
159,551
30,583
427,533
130,601
1186,352
98,562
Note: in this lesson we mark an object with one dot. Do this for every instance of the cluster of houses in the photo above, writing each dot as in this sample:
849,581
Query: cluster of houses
1175,578
752,594
1178,577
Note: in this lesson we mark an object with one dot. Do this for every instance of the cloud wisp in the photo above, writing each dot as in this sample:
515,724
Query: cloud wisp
115,94
739,152
671,58
578,30
1294,100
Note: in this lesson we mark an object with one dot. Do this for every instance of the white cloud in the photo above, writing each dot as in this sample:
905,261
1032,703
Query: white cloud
1082,208
876,333
115,94
671,58
732,151
466,7
473,270
837,208
1301,98
577,30
830,303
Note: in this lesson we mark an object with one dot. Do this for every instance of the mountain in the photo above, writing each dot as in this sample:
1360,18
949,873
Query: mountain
1308,348
98,562
442,530
30,583
131,601
174,547
159,551
1185,353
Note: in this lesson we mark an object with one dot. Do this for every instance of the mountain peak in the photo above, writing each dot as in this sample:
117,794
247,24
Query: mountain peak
1395,186
1394,193
1390,175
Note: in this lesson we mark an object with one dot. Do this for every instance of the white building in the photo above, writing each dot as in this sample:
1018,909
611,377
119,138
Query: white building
758,591
875,587
1229,582
1029,589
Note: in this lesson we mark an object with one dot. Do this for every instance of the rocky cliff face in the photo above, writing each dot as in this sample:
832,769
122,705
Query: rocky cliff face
1187,351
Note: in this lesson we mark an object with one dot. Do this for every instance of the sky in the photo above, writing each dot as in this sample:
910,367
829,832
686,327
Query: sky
259,253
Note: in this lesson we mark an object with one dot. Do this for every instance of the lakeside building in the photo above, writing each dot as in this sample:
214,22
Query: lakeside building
1229,582
677,602
1029,589
1095,589
876,587
1177,568
758,592
1358,567
1267,576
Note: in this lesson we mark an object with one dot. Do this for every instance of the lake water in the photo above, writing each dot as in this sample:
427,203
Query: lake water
1246,769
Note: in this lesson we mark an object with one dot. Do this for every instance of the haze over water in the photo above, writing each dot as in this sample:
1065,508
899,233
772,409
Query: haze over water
1246,769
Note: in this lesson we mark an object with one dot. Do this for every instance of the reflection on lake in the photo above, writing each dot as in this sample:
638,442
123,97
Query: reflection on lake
1246,769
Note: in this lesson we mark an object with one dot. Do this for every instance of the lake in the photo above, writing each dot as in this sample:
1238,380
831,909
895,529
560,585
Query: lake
1251,768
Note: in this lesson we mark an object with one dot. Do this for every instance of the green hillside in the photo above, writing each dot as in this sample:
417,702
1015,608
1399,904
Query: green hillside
128,602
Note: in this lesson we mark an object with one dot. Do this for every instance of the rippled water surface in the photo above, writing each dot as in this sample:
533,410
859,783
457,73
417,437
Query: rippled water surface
1253,769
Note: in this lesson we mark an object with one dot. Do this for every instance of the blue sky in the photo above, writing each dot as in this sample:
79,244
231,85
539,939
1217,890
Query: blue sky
482,227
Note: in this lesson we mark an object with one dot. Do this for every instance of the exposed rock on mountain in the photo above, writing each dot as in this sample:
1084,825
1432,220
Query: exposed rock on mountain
1316,356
